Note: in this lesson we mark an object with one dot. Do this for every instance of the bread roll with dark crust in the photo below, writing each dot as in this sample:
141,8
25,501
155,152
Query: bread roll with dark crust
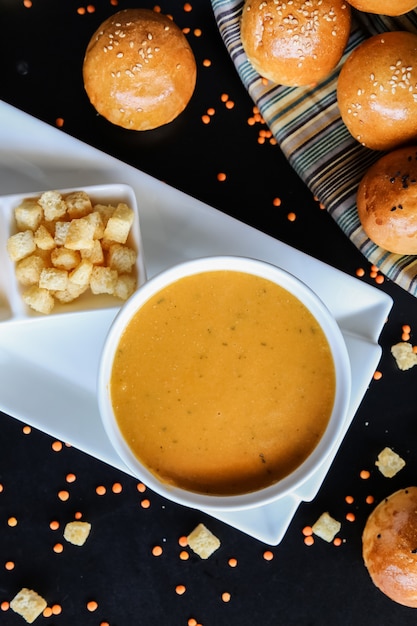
295,43
139,70
387,201
377,91
389,546
384,7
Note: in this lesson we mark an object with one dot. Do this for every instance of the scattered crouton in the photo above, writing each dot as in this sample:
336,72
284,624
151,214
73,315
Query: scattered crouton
28,604
404,355
389,462
77,532
202,541
326,527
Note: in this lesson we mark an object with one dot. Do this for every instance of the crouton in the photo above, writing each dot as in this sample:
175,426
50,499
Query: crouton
121,258
53,279
53,205
20,245
39,299
119,224
28,214
103,280
78,204
28,604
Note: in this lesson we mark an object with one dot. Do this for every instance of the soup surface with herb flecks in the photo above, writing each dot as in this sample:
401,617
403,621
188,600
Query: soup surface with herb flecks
223,383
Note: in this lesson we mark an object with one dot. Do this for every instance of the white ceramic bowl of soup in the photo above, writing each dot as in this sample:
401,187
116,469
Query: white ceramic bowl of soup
200,390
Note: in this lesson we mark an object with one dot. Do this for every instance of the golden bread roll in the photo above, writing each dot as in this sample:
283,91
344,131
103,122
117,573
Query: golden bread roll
139,70
377,91
384,7
389,546
387,201
295,43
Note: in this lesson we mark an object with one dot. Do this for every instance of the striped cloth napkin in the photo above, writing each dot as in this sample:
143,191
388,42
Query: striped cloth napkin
308,128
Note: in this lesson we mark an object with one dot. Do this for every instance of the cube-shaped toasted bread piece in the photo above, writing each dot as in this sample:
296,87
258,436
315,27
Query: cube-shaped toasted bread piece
65,259
39,299
53,205
28,215
28,604
80,235
78,204
43,238
121,258
119,224
77,532
202,541
53,279
28,270
125,286
81,275
103,280
20,245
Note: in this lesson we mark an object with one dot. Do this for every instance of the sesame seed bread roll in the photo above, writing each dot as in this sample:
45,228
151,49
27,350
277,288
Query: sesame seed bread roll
296,42
377,91
384,7
389,546
139,70
387,201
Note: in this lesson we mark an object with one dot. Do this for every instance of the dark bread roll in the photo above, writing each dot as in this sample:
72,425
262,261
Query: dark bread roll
387,201
377,91
389,546
139,70
295,43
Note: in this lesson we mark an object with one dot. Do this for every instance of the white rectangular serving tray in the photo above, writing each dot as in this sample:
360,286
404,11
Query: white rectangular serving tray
48,366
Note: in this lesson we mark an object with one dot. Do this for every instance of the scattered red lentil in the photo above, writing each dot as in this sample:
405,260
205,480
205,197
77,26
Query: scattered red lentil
4,606
337,541
187,7
1,487
56,609
157,551
307,531
26,430
54,525
291,217
92,606
349,499
27,4
414,349
365,474
117,488
268,555
91,8
197,32
276,201
47,612
9,565
100,490
224,97
230,104
377,375
183,541
58,548
57,446
206,63
309,540
104,624
78,515
141,487
12,521
221,177
180,589
81,11
379,279
232,562
63,495
369,499
226,596
184,555
145,504
59,122
70,478
360,272
192,622
205,119
350,516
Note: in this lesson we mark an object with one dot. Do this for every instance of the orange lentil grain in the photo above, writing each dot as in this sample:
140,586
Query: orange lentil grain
205,119
337,541
197,32
27,4
47,612
117,488
307,531
226,596
291,216
183,541
232,562
369,499
230,104
192,622
221,177
377,375
63,495
251,121
273,141
360,272
100,490
145,504
81,11
58,548
141,487
268,555
187,7
211,111
414,348
349,499
224,97
56,609
9,565
59,122
379,279
4,606
1,487
365,474
261,140
373,273
406,328
405,337
57,446
350,516
184,555
309,540
180,589
206,63
70,478
54,525
91,8
12,521
276,201
78,515
374,268
26,430
157,551
92,606
104,624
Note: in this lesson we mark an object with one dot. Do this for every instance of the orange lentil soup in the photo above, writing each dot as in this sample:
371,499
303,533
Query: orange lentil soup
223,383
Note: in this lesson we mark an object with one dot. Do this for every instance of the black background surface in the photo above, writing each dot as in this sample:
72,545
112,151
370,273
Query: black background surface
41,52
